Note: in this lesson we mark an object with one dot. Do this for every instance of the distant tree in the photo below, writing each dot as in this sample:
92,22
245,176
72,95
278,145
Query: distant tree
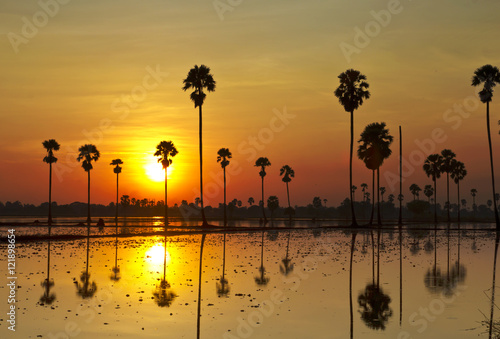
223,156
165,151
353,190
324,201
391,198
199,79
287,173
88,153
458,173
382,192
432,168
117,170
473,192
263,162
447,167
489,77
364,187
273,204
464,203
428,192
489,203
317,202
415,190
352,92
251,201
50,145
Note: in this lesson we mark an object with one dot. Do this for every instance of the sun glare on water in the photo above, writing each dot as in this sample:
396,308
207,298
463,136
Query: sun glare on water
155,254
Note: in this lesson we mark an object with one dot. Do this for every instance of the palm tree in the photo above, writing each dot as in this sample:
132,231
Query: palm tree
473,192
458,172
50,145
382,192
447,167
353,190
391,198
263,162
364,187
287,266
273,204
223,156
374,148
489,77
199,78
324,201
262,280
165,151
251,201
88,153
415,189
288,173
352,92
117,170
428,192
432,168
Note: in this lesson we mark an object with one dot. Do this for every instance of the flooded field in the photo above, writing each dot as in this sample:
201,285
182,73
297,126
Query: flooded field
289,283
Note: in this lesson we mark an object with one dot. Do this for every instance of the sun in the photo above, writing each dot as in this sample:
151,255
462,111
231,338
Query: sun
155,171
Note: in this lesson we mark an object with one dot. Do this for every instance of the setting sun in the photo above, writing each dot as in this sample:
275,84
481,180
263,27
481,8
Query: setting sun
155,172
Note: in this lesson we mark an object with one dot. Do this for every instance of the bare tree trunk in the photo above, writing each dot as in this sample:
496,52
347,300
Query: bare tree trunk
497,220
354,223
201,171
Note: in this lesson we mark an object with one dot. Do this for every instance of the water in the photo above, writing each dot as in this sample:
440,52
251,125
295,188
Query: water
271,284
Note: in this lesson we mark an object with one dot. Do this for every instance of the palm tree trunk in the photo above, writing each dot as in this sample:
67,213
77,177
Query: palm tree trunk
88,202
435,202
199,287
204,219
289,206
50,194
166,204
354,223
225,215
458,201
378,258
373,197
400,219
379,219
448,194
497,220
116,217
263,210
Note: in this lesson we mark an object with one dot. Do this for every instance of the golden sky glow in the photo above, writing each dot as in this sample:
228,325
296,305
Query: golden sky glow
110,73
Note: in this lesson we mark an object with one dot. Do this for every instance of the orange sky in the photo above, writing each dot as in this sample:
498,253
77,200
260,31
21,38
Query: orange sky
110,73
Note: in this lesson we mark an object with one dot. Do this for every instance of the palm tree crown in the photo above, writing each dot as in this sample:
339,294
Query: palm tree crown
88,153
353,89
223,155
458,171
165,150
432,166
489,76
262,162
199,78
287,172
117,163
50,145
374,148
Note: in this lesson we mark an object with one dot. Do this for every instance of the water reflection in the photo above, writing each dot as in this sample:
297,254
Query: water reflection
163,295
115,276
262,280
85,288
223,285
287,266
491,324
48,297
199,287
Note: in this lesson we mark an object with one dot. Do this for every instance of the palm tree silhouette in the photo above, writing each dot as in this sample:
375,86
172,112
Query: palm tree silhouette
88,153
374,148
447,167
163,295
115,269
263,162
273,204
353,190
415,189
198,324
223,156
117,170
199,78
458,172
86,289
222,285
287,266
428,192
165,151
489,77
262,280
48,298
473,192
287,173
50,145
432,168
352,92
364,187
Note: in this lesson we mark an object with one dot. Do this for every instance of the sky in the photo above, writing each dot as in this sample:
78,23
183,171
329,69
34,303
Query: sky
110,73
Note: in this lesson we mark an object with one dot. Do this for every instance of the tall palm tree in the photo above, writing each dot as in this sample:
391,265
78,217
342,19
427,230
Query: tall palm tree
489,77
428,192
263,162
432,168
447,167
415,189
473,192
458,172
165,151
352,92
117,170
223,156
199,79
374,148
88,153
50,145
287,173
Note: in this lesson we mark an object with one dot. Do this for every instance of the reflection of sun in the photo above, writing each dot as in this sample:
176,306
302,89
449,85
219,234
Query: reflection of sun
155,254
155,172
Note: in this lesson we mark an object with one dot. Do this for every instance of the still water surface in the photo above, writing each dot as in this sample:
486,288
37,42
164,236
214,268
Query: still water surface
264,284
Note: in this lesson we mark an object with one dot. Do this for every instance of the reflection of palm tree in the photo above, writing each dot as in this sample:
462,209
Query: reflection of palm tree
117,170
352,92
497,240
199,287
433,278
48,298
88,153
50,145
165,151
447,167
115,269
489,77
273,204
199,78
223,285
375,307
223,156
262,280
163,295
287,266
353,240
263,162
85,288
